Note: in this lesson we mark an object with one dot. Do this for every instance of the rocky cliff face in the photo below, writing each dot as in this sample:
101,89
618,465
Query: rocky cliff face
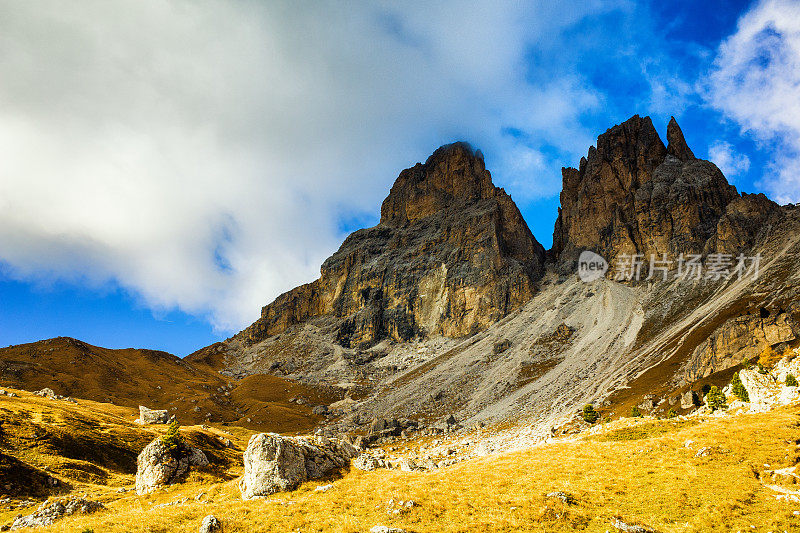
742,337
633,195
451,255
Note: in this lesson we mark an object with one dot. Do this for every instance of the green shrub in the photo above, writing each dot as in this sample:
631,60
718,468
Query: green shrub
715,399
791,381
635,412
672,413
761,369
173,439
746,364
589,414
738,388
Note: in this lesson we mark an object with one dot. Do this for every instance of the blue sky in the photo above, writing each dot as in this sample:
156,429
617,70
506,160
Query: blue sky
170,167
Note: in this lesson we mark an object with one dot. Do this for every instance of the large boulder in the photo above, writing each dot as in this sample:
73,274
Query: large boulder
273,463
689,399
158,465
153,416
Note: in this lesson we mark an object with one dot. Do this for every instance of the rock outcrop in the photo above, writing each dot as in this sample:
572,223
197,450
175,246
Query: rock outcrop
273,463
741,337
745,218
769,389
153,416
451,255
632,195
47,392
158,465
50,511
368,462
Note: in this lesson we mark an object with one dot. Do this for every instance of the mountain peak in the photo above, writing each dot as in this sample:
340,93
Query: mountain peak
630,197
451,255
676,144
452,173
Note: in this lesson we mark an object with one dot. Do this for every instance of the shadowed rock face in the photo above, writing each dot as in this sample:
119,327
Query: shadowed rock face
633,195
451,255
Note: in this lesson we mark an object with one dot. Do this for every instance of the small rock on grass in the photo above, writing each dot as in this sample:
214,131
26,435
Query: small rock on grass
211,524
563,496
628,528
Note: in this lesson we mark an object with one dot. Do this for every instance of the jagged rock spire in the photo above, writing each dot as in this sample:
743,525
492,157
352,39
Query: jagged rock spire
630,197
676,144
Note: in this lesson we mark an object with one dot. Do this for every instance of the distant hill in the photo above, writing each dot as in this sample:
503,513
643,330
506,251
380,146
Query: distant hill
132,377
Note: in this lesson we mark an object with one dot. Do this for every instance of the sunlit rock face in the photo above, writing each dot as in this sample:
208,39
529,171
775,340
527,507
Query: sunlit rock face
451,255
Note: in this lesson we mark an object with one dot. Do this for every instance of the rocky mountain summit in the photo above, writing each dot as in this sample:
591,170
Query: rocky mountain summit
633,195
446,333
450,256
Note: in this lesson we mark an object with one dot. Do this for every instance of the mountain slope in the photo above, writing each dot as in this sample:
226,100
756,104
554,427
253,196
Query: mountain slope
705,473
133,377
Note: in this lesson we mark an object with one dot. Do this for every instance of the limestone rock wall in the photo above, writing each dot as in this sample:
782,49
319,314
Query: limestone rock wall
633,195
451,255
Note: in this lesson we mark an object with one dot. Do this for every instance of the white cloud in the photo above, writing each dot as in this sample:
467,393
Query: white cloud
199,153
730,162
755,83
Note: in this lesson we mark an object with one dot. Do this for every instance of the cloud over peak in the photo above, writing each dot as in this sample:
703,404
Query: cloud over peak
199,154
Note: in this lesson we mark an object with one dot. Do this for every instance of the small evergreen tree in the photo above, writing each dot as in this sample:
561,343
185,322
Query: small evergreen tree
589,414
746,363
761,369
635,412
715,399
738,388
173,439
672,413
791,381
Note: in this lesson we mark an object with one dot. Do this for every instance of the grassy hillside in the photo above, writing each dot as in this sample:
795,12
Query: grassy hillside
133,377
639,471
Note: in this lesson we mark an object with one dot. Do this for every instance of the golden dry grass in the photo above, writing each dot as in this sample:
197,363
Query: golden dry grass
643,475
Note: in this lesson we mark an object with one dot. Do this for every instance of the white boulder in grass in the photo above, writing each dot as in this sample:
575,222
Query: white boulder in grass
153,416
273,463
158,465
